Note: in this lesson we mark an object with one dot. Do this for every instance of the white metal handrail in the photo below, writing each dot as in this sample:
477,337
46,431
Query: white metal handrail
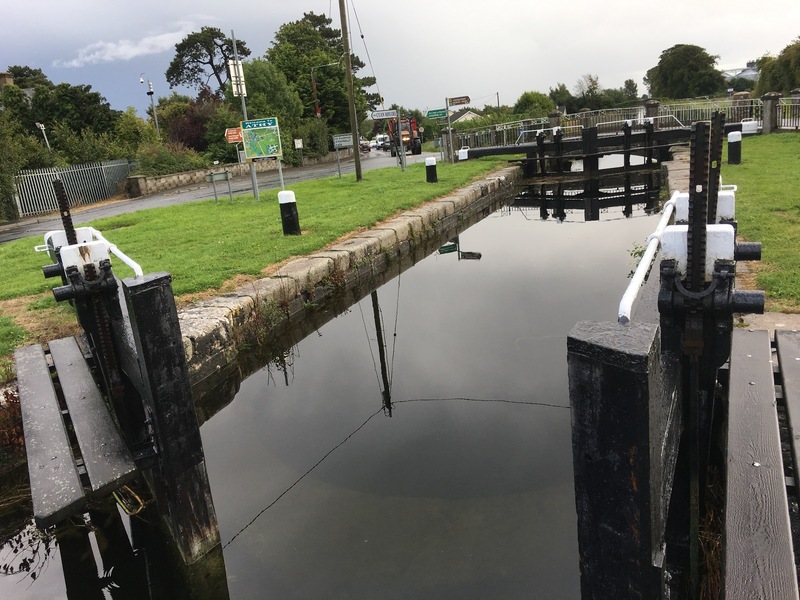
645,264
112,249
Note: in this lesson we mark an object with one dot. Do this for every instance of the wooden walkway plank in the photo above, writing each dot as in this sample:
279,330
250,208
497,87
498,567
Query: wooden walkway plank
759,559
788,345
105,455
56,488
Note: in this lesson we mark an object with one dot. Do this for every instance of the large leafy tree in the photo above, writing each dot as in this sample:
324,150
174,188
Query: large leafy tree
28,77
684,71
781,74
202,58
533,105
563,98
311,45
75,106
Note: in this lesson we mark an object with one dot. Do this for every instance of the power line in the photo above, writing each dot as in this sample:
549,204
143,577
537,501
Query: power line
369,59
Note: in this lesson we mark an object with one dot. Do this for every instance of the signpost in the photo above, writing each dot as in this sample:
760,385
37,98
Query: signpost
262,139
437,113
376,115
448,102
341,140
233,135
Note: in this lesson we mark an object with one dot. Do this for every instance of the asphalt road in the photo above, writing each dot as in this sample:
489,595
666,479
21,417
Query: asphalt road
376,159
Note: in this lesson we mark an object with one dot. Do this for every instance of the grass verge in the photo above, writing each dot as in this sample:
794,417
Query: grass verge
207,246
768,211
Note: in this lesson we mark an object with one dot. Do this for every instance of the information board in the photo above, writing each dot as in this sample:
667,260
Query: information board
261,138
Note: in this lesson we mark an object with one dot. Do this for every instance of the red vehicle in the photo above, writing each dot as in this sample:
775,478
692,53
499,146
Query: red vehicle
409,136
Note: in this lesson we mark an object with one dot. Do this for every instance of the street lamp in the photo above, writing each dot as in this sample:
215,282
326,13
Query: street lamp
46,141
317,111
152,102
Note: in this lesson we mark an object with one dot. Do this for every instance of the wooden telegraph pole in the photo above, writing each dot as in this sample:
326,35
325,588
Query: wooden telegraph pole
351,96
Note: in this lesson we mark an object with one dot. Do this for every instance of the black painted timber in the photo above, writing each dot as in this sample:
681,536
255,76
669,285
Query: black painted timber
758,554
56,489
788,346
625,435
106,457
178,479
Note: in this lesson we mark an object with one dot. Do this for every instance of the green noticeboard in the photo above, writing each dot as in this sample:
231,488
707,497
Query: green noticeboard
261,139
437,113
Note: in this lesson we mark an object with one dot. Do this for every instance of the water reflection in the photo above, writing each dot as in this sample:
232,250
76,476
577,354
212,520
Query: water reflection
466,491
417,446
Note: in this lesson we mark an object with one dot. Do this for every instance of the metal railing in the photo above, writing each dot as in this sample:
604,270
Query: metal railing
85,184
645,264
701,110
789,113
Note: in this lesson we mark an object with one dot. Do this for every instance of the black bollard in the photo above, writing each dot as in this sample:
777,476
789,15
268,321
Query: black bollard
289,218
734,147
430,170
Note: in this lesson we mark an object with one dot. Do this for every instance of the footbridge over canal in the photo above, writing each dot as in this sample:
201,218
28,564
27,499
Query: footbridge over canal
563,173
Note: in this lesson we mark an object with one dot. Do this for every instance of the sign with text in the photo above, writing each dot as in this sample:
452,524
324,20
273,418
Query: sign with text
262,138
298,144
237,78
233,135
458,100
343,140
383,114
437,113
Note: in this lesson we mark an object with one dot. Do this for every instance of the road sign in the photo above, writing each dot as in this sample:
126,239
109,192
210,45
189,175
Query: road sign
262,138
343,140
233,135
458,100
437,113
260,123
383,114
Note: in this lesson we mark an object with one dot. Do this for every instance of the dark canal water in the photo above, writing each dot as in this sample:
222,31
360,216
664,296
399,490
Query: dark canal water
466,491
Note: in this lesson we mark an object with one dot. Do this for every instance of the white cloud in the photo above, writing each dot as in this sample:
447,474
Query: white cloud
124,50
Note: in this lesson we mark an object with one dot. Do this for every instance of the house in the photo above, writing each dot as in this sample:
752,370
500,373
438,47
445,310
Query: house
463,115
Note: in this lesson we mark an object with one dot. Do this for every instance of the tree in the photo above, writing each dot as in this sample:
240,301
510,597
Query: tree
588,92
781,74
203,56
311,45
685,71
563,98
533,105
630,89
75,106
18,150
29,78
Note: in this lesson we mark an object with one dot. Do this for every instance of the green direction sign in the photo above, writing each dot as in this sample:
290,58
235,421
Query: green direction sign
261,139
437,113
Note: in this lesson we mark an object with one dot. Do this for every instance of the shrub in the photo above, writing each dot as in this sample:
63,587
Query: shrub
164,159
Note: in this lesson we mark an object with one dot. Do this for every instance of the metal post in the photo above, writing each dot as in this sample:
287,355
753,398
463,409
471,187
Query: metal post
252,165
349,75
449,130
153,106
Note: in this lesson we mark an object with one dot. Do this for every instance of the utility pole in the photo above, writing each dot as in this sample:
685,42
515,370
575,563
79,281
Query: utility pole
240,75
350,94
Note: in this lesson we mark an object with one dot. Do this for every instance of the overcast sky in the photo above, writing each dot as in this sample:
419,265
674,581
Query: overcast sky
420,50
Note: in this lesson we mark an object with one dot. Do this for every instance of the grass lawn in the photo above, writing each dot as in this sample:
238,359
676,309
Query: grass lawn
203,244
768,211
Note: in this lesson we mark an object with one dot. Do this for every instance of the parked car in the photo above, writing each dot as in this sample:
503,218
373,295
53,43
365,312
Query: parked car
364,146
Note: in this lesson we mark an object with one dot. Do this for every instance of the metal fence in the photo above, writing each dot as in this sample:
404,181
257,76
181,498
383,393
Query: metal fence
789,113
692,112
85,184
610,120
